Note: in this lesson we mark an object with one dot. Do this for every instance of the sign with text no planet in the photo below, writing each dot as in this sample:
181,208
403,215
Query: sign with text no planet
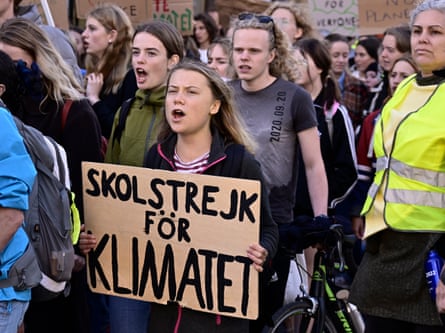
377,15
166,236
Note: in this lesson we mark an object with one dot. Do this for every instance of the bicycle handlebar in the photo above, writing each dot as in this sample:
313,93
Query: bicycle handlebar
307,231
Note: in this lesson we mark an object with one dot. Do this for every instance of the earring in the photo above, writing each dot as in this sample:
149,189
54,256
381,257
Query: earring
110,41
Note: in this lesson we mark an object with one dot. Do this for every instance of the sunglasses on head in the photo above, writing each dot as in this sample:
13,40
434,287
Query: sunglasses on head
260,18
264,19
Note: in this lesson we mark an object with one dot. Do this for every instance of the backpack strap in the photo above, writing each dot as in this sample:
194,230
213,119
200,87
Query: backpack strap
65,112
61,160
125,110
61,170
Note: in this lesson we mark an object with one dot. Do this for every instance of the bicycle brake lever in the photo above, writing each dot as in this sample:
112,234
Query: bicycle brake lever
340,254
339,236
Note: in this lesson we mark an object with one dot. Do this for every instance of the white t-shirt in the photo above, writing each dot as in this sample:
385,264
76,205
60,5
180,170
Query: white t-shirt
203,55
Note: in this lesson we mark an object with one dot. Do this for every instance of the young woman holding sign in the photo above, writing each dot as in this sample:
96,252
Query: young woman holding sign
201,133
201,126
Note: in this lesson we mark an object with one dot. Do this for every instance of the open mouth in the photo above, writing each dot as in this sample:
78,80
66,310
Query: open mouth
244,68
177,114
141,75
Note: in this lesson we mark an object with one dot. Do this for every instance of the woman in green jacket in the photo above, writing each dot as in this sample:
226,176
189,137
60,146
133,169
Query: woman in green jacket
157,48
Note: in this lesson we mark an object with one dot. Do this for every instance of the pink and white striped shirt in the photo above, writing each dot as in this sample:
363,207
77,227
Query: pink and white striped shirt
196,166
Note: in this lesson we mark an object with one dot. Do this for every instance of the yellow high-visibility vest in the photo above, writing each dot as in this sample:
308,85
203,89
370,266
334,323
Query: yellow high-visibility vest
411,175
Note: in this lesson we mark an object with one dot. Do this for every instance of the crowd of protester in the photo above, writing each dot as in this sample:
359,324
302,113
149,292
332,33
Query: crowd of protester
358,139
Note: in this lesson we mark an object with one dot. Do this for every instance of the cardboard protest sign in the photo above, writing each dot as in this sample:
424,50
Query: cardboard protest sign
377,15
335,16
177,12
58,11
137,10
166,236
228,9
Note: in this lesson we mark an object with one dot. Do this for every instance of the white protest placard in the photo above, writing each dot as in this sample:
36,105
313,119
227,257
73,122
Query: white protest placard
335,16
166,236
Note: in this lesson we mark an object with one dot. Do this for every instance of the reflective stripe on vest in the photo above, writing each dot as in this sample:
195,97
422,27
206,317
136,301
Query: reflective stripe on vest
408,197
411,174
411,197
430,177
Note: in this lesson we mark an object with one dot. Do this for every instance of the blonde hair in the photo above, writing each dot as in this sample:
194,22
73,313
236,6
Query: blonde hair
283,65
58,78
226,46
116,59
302,19
227,121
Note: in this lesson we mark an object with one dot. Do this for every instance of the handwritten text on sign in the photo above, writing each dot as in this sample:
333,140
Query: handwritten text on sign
177,12
377,15
165,236
339,16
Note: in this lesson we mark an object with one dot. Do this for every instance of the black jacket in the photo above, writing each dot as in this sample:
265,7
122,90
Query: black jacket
228,160
109,104
338,153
